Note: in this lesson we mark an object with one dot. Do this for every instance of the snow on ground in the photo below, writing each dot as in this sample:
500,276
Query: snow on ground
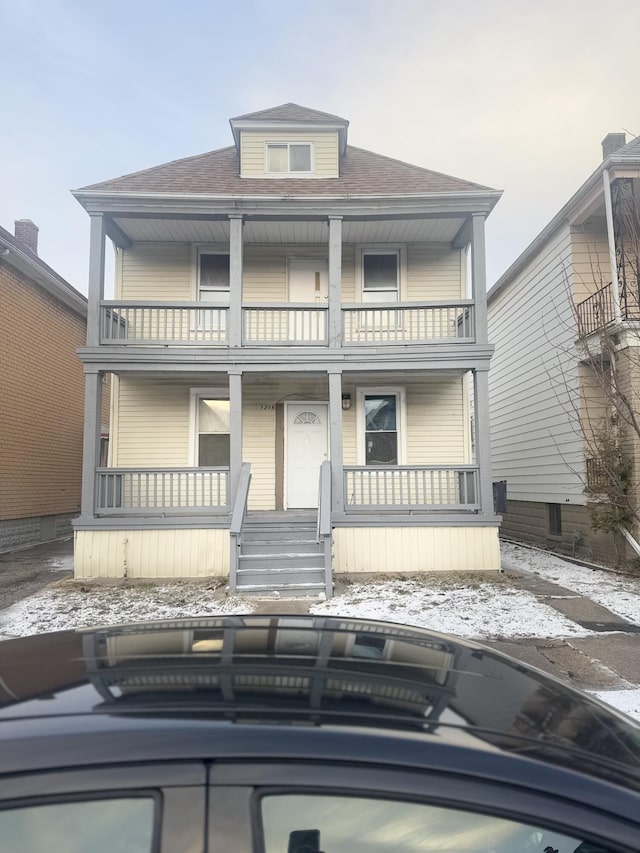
67,605
618,593
461,605
627,701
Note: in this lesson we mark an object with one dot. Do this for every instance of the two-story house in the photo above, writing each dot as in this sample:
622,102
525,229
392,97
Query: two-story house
42,323
297,331
562,318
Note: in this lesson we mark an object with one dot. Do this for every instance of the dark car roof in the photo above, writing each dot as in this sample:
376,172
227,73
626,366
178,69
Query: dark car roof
310,675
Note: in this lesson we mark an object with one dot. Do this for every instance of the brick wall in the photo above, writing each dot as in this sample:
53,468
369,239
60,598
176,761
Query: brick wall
41,400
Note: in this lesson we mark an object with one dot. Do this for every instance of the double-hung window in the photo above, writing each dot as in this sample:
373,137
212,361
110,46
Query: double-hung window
381,417
288,157
213,288
212,431
380,276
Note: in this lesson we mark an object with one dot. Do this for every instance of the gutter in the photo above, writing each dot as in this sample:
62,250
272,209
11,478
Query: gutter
463,195
29,266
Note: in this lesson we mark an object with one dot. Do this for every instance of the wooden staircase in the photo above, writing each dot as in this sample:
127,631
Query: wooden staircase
280,552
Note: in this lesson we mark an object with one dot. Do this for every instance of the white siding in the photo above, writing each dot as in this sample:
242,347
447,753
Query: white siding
535,435
415,549
324,153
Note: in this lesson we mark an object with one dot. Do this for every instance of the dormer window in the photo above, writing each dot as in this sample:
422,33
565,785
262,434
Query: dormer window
289,158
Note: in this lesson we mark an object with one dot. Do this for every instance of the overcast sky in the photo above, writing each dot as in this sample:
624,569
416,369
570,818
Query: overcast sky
514,94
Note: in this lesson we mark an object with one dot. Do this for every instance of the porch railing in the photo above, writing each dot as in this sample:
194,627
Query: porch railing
411,487
408,322
162,324
598,310
237,520
324,535
284,324
162,491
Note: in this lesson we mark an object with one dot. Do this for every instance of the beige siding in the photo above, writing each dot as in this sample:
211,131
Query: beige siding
324,153
415,549
591,266
153,423
151,553
436,421
433,272
156,271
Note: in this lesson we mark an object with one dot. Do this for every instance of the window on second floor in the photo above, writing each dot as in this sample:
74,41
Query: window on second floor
213,278
380,277
283,158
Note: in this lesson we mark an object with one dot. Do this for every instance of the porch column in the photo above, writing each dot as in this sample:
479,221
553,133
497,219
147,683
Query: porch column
479,277
483,444
235,279
96,278
611,240
91,439
335,442
335,281
235,433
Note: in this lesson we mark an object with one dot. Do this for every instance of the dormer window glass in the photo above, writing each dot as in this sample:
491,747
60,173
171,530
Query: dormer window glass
289,158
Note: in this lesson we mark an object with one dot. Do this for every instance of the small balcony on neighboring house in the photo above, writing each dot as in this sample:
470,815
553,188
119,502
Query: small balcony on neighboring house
606,265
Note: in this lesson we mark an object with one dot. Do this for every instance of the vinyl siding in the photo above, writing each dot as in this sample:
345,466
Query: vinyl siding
535,437
152,423
156,271
151,553
591,266
324,152
434,271
415,549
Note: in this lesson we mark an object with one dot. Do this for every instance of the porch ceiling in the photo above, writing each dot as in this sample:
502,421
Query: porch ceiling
291,231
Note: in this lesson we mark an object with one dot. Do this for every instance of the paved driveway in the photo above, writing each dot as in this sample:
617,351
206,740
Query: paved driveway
24,572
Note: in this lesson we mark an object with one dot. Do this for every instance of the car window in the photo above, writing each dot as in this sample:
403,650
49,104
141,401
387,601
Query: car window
99,826
314,823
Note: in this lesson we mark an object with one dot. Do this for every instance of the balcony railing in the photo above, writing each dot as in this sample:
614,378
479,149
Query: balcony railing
285,324
162,324
411,487
408,322
162,491
598,310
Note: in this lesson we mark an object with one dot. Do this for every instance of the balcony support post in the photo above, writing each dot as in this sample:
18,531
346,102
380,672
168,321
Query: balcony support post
91,440
483,444
235,434
611,240
335,442
479,277
96,278
335,281
235,279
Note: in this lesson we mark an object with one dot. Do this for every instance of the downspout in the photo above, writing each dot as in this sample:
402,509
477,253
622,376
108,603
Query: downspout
611,240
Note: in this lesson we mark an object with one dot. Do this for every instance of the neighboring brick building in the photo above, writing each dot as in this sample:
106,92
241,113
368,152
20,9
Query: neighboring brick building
42,322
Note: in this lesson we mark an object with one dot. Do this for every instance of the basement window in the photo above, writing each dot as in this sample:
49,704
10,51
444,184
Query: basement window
554,519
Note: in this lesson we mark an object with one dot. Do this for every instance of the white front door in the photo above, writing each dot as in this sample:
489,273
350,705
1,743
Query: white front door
306,450
308,284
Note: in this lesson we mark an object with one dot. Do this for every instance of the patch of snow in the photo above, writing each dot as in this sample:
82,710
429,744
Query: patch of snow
618,593
627,701
64,605
456,606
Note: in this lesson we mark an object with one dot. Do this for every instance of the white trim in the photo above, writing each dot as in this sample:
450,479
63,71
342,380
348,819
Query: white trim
285,455
400,392
312,160
399,249
195,394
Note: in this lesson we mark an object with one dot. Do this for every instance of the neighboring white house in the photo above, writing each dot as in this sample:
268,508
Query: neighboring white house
289,311
573,280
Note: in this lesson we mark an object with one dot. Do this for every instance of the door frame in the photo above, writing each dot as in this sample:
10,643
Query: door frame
294,259
285,455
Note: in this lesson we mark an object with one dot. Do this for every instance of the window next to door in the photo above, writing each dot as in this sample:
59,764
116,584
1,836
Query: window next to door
211,426
380,417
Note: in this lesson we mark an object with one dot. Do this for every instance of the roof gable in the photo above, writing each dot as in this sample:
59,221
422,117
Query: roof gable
291,113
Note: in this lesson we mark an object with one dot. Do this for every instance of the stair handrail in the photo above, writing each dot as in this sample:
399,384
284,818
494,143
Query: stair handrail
237,521
323,532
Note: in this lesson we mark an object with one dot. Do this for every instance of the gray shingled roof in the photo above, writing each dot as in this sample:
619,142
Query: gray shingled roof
630,149
291,112
216,173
